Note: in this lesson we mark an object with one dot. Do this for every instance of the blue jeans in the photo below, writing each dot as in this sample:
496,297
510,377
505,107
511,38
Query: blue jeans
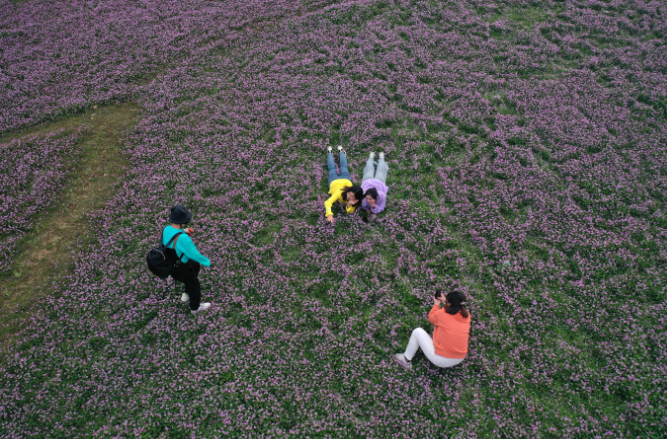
344,172
380,174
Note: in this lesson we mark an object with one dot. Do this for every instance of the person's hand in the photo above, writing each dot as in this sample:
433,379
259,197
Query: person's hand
436,301
330,218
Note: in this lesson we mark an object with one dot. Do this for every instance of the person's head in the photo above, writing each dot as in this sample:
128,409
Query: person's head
371,196
455,303
180,215
353,195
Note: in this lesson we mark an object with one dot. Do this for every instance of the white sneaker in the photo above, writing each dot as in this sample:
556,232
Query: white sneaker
372,156
382,156
202,307
329,149
401,359
185,298
340,148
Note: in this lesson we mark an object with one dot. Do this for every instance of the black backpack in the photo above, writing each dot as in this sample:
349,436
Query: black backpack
160,260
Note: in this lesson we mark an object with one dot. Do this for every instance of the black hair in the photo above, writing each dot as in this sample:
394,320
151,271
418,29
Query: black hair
358,194
457,301
373,193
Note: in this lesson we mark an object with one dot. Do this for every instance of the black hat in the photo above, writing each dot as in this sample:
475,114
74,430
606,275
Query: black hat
180,215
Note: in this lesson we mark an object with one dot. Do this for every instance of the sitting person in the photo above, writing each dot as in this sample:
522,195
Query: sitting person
341,188
374,184
450,336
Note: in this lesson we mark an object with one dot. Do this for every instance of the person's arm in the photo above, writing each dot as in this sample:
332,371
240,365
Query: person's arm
329,203
188,248
434,316
380,204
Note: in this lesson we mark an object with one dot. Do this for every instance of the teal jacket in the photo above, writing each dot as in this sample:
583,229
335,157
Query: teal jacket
184,246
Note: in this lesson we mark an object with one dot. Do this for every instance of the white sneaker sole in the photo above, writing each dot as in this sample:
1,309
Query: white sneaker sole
185,298
399,358
202,307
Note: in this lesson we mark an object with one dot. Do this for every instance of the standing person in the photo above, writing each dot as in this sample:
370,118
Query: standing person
191,260
449,345
341,188
374,184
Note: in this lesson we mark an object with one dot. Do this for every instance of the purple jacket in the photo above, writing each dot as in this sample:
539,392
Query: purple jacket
382,195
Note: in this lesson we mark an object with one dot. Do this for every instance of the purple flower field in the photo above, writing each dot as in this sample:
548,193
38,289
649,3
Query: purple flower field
528,166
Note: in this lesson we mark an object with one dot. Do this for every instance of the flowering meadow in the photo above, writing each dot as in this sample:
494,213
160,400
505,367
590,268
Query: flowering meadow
528,167
31,171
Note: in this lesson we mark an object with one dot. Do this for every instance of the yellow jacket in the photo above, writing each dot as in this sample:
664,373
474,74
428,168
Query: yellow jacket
336,191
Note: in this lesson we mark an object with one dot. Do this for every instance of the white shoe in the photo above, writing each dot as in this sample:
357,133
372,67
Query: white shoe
185,297
382,156
401,359
202,307
372,156
340,148
329,149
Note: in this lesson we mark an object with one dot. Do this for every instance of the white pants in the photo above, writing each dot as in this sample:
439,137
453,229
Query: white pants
421,339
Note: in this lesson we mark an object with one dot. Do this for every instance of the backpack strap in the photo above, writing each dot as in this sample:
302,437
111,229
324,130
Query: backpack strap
172,239
175,241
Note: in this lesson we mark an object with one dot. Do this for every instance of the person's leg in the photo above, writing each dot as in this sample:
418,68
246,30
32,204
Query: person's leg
192,285
344,172
381,173
369,170
444,361
179,274
421,339
333,174
417,338
196,266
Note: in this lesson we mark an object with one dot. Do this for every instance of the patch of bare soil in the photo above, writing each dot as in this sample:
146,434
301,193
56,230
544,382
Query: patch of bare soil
46,254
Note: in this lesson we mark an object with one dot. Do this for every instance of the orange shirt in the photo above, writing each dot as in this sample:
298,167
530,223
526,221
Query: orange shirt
450,336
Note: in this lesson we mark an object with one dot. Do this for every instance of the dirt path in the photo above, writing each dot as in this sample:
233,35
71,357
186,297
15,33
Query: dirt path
45,255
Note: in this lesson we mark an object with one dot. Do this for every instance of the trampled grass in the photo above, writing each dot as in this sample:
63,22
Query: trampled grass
44,251
526,145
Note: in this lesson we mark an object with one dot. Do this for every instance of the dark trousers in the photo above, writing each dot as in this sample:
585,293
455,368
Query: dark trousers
188,273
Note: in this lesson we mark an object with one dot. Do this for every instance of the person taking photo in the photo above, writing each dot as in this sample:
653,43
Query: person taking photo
449,345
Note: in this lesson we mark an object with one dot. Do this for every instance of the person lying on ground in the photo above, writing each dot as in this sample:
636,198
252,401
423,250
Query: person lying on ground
449,345
187,271
374,184
341,188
